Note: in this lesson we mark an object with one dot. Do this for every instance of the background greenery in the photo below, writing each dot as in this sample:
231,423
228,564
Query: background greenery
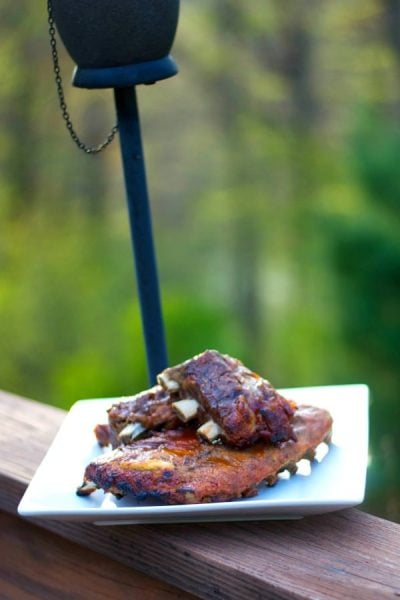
273,171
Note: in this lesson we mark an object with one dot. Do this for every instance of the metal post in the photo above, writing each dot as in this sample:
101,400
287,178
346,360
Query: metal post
141,229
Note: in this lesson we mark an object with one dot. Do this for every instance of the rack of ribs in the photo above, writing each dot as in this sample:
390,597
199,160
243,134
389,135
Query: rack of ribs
132,417
236,404
222,397
177,467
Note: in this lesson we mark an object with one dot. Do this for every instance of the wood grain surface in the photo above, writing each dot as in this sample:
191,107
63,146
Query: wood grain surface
343,555
38,564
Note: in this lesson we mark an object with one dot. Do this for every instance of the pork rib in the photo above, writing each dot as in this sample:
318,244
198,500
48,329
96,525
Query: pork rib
134,415
176,467
243,406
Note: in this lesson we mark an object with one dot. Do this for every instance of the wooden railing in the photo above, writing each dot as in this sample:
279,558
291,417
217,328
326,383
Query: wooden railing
347,554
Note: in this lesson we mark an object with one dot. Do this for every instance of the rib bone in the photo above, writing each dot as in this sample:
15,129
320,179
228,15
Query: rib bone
186,409
87,488
210,430
131,432
167,383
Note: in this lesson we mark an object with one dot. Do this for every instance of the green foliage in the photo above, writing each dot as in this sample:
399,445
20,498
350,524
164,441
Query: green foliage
366,257
375,152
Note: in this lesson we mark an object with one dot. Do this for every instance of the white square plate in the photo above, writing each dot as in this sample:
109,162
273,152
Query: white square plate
335,481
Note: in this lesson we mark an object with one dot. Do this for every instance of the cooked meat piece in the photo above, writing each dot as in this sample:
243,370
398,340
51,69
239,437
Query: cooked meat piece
106,436
132,416
103,434
244,406
224,397
176,467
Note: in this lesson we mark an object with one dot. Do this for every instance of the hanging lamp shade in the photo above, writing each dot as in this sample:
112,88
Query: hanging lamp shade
113,33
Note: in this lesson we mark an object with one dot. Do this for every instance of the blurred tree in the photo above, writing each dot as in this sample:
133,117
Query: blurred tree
391,13
367,259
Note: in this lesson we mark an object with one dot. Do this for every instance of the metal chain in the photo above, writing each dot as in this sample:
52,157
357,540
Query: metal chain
61,97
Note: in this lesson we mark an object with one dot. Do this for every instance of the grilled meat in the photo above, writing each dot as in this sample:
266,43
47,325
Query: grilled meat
133,416
104,435
176,467
224,398
242,407
151,408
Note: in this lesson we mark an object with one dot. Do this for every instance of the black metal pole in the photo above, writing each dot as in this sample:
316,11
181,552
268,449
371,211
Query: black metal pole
141,229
